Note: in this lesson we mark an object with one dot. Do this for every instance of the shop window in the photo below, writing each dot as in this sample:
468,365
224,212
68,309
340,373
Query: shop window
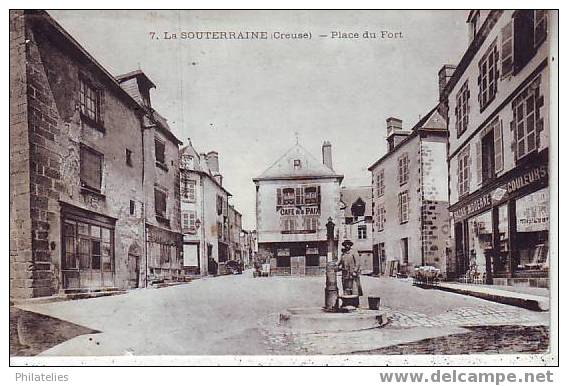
480,236
362,232
91,169
160,202
527,122
403,206
462,109
500,265
463,172
488,75
312,260
90,103
403,162
381,217
381,183
87,246
533,225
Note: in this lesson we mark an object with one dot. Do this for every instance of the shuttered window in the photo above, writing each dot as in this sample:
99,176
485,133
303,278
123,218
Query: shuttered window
498,141
91,169
160,148
507,50
381,183
381,217
463,171
160,202
403,169
527,122
462,109
403,206
488,75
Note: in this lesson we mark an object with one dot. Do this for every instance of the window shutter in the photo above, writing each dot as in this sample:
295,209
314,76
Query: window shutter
91,168
507,49
279,196
498,143
478,161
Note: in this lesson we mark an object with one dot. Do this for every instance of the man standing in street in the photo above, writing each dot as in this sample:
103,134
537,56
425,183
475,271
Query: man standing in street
350,265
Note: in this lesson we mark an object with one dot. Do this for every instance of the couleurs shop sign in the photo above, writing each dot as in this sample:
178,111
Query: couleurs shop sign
515,183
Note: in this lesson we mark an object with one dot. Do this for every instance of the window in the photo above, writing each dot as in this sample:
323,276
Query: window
160,202
188,220
463,172
404,250
299,196
403,206
507,50
288,224
381,214
220,205
160,148
91,168
473,25
540,26
87,246
527,122
403,169
381,252
362,232
490,152
312,195
311,223
289,196
381,183
488,75
297,164
462,109
90,102
188,189
132,207
129,157
187,161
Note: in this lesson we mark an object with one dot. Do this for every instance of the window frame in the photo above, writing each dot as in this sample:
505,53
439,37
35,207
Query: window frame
164,214
462,109
381,183
464,172
532,91
491,75
85,184
403,166
381,217
362,232
403,206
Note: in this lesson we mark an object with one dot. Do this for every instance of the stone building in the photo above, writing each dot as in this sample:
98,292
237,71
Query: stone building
498,100
357,223
161,184
76,161
235,230
410,196
295,197
204,211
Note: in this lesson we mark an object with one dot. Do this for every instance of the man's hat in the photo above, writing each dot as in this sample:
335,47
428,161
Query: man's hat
347,243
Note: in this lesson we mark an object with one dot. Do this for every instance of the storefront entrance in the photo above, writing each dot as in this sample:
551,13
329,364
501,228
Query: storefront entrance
87,249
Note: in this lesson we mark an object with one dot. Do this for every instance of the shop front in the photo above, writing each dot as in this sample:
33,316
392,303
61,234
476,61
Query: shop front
501,231
298,259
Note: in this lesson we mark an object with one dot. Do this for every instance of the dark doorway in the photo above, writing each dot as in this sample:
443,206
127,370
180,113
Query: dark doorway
488,157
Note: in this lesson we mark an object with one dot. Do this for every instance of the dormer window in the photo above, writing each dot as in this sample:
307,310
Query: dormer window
297,164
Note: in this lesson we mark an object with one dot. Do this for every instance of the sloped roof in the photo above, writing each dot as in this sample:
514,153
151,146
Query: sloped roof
351,194
310,166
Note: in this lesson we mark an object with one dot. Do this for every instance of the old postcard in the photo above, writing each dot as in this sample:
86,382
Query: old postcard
256,187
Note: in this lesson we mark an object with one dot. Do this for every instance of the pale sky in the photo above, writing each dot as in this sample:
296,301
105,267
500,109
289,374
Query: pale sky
247,99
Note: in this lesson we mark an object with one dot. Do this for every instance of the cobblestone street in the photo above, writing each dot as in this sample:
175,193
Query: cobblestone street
240,315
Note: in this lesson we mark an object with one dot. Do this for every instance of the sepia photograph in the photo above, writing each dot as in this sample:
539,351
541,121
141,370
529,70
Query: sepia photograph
283,187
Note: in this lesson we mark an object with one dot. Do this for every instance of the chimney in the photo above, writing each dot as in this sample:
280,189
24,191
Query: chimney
326,154
213,162
444,76
395,134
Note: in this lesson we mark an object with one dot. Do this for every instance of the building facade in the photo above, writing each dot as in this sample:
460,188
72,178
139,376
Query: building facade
498,101
163,235
295,198
357,223
76,161
204,212
410,197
